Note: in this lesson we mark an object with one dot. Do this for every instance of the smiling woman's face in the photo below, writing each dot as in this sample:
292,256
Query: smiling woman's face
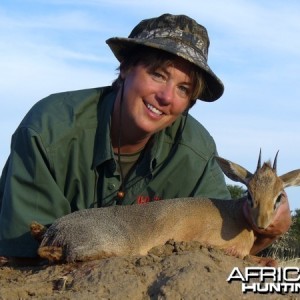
153,99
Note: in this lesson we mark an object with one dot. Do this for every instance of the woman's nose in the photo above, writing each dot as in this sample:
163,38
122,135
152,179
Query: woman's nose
166,94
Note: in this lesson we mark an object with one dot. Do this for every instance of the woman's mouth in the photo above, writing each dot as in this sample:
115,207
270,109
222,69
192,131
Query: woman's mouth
154,109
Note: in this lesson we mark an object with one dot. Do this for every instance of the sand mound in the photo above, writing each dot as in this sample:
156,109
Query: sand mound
177,270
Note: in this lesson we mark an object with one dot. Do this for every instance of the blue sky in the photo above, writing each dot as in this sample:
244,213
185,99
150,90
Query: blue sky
52,46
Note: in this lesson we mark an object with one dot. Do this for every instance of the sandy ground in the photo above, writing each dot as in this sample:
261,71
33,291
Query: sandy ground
177,270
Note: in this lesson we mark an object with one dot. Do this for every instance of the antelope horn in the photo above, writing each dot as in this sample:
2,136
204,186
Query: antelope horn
259,161
275,162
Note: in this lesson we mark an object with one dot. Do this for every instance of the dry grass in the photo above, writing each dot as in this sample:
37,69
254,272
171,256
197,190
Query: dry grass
286,249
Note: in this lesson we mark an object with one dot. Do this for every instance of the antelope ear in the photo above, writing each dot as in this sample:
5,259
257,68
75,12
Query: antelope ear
291,178
234,171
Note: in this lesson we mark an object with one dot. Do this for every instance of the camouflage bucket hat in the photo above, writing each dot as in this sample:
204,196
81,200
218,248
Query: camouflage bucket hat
177,34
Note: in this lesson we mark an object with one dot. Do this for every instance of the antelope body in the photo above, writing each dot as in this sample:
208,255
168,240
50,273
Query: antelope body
133,230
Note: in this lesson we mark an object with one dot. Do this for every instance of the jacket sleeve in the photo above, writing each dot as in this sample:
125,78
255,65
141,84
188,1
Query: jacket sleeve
212,182
28,192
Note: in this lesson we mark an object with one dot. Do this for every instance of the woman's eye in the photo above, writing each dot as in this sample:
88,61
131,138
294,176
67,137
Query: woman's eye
157,76
184,90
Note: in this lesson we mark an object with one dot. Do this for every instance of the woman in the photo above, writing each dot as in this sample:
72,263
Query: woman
130,143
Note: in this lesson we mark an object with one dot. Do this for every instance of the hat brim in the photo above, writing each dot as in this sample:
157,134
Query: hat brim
214,87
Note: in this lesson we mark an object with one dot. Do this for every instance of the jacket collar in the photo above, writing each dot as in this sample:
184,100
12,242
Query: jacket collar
103,150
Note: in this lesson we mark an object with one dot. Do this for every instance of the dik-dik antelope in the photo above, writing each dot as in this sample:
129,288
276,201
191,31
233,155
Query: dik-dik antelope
133,230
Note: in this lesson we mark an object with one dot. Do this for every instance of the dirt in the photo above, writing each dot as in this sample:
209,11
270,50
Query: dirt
176,270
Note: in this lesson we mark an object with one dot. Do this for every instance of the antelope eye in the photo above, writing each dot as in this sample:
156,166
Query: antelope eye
277,202
249,199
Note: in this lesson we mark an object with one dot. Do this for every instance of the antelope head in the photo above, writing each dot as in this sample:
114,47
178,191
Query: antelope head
265,187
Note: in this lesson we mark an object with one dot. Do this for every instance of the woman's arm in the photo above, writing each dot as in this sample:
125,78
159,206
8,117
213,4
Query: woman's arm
28,192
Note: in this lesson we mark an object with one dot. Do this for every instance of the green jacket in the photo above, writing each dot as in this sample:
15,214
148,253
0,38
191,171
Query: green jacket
62,160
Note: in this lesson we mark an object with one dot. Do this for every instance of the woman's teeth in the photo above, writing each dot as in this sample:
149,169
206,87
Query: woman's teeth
153,109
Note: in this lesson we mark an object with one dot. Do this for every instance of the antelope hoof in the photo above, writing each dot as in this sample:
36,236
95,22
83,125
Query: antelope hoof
37,230
51,253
